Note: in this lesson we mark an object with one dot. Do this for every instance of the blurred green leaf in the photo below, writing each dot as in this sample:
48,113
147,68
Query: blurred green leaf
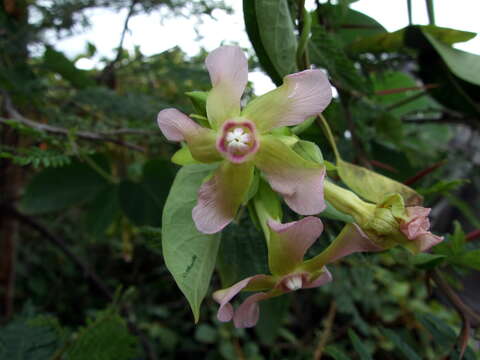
106,337
102,211
272,314
358,345
443,186
57,62
55,189
143,202
401,345
189,255
23,340
428,261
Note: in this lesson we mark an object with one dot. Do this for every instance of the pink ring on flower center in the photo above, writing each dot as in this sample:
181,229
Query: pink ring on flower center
238,140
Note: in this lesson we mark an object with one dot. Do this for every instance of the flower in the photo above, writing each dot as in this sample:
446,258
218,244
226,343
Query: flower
383,225
287,246
416,228
241,139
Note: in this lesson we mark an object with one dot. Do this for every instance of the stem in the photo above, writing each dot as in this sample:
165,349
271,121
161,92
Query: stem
431,12
328,133
322,342
409,7
304,28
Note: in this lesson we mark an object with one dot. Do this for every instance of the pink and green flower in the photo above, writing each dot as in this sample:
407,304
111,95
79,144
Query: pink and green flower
287,245
241,139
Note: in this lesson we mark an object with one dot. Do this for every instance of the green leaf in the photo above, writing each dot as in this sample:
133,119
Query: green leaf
56,61
54,189
251,25
470,259
359,347
401,345
23,340
102,211
443,186
243,253
277,34
428,261
395,41
272,313
373,186
336,353
190,256
350,25
183,157
326,51
463,64
391,80
107,337
143,202
199,101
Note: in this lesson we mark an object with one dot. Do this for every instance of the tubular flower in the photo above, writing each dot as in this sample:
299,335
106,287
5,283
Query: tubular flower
241,139
383,225
288,244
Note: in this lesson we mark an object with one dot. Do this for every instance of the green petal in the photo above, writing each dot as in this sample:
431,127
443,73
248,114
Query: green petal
202,145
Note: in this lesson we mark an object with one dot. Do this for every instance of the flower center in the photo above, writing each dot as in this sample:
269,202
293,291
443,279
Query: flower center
238,140
294,283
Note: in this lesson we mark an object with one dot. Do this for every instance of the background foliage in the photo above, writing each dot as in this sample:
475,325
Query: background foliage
85,174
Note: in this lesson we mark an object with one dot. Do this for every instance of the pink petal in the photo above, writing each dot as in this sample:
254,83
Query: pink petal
299,181
425,241
220,197
290,242
223,297
179,127
228,68
248,312
323,279
418,223
175,125
302,95
350,240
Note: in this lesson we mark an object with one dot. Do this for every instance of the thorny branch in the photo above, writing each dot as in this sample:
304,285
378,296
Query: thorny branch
86,135
322,342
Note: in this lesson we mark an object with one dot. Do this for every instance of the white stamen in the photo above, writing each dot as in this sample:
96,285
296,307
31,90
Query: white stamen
238,139
294,283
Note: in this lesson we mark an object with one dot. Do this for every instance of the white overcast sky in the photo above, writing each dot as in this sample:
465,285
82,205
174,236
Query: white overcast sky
153,37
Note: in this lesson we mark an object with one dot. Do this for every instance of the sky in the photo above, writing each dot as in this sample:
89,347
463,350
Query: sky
154,36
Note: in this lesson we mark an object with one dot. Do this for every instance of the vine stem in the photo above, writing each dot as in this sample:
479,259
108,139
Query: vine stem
328,133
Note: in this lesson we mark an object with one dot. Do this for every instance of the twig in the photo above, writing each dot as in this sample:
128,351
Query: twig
475,234
322,342
405,101
86,135
62,245
465,312
405,89
423,173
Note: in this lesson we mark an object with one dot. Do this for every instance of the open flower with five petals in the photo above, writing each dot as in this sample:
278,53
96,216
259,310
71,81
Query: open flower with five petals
241,139
287,246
